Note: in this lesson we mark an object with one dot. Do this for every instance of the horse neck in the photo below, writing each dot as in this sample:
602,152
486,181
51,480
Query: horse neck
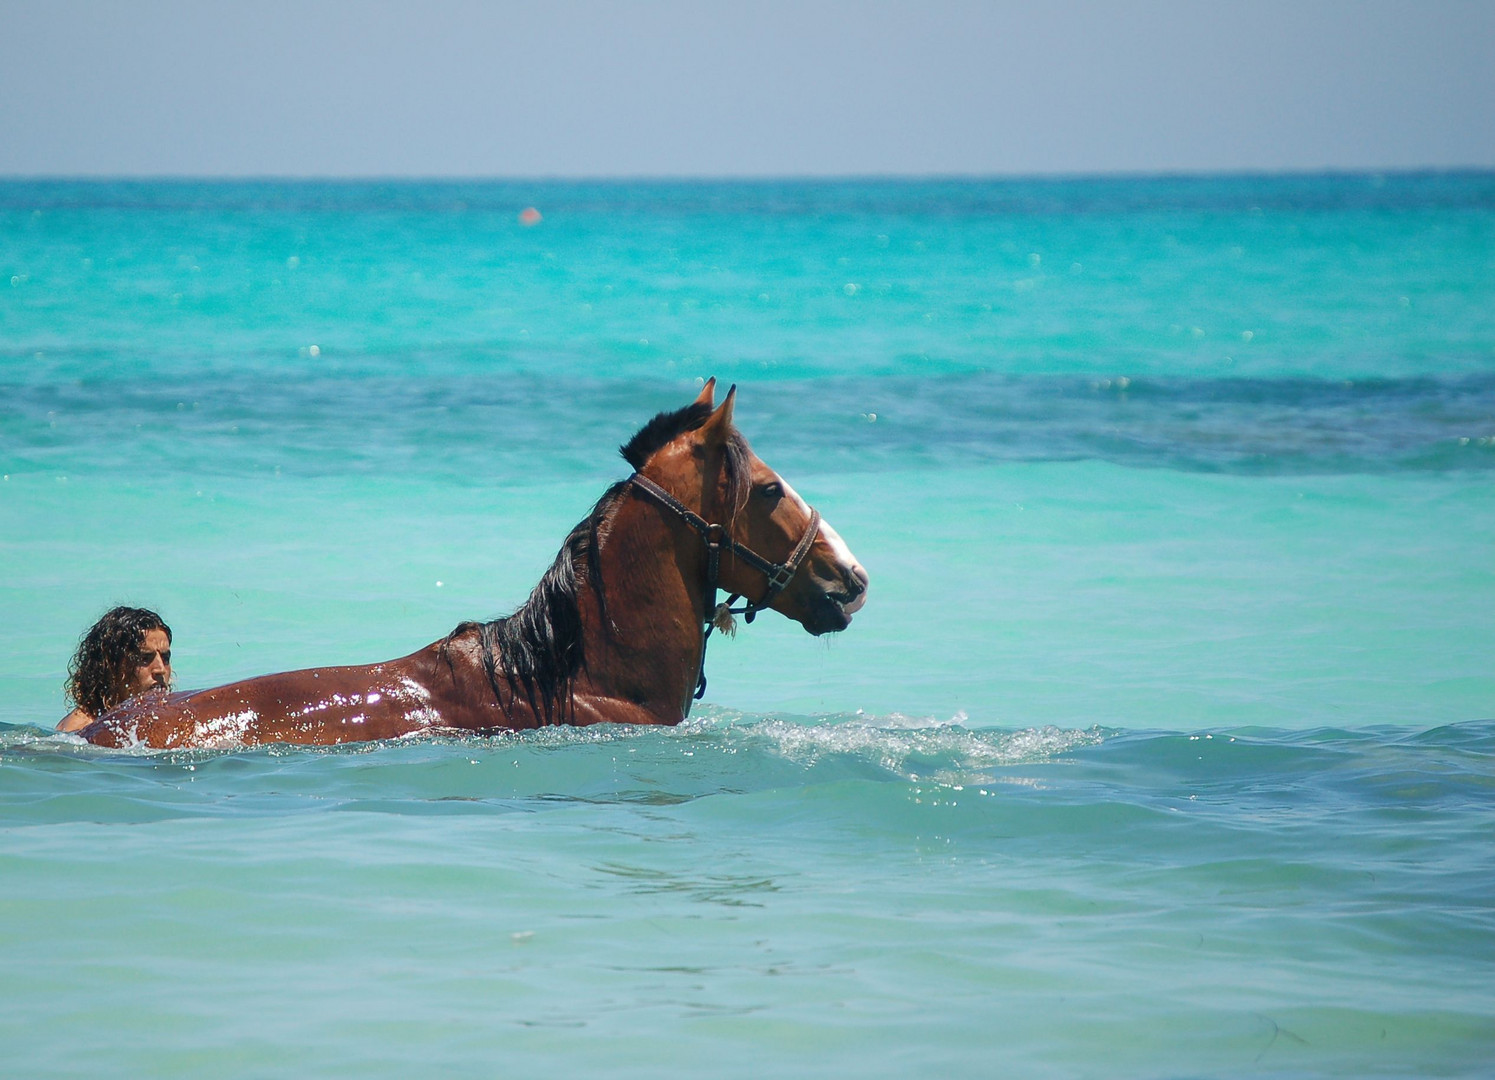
647,649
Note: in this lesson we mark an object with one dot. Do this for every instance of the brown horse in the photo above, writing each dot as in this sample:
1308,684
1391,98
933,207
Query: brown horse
615,631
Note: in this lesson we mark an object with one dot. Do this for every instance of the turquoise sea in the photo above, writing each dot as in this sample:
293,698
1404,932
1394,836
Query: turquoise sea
1164,746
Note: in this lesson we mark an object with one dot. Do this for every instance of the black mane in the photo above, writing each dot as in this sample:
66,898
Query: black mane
666,427
663,429
539,648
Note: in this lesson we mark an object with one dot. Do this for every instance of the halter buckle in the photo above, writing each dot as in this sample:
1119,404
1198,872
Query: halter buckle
779,580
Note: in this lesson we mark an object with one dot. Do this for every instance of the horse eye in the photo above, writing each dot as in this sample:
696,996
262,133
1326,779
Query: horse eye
773,490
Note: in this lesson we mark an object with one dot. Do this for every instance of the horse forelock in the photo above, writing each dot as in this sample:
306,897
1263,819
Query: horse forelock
737,463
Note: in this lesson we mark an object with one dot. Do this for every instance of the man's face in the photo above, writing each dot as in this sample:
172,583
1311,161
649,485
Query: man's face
152,662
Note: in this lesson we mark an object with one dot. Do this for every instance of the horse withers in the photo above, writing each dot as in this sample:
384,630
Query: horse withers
615,632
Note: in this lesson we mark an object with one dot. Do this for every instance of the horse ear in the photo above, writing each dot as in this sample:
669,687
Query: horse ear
708,393
719,424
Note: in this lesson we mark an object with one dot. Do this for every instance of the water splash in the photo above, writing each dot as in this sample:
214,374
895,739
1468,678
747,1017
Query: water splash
907,747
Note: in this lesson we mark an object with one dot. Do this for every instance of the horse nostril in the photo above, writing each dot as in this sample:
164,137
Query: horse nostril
856,580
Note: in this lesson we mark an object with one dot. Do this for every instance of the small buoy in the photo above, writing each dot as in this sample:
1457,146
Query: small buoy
529,216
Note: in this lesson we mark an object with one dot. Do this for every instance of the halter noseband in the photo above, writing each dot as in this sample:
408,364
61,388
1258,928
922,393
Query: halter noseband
717,538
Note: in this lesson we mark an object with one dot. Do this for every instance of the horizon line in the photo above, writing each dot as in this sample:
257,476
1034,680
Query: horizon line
750,178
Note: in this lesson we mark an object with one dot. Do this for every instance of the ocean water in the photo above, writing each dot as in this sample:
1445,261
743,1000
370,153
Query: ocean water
1164,746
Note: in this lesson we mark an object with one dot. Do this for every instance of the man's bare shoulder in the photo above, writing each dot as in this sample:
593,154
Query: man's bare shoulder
76,720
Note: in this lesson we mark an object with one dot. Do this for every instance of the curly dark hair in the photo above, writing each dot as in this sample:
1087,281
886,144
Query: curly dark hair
98,676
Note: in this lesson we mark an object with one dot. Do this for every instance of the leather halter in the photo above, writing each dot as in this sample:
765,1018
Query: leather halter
718,539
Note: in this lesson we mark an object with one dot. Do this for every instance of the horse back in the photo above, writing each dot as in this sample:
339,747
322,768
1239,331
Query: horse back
314,706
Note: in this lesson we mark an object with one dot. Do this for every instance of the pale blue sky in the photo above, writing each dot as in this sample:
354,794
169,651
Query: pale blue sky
335,88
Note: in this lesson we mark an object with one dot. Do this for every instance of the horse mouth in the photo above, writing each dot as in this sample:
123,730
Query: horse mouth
845,605
835,602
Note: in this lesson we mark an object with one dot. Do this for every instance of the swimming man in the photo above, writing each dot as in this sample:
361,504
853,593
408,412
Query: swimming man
125,653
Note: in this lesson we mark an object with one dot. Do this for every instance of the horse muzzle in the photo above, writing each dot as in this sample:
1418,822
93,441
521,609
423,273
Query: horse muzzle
856,595
838,601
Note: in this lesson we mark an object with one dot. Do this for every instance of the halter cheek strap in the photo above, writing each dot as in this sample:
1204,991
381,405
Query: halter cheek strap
717,539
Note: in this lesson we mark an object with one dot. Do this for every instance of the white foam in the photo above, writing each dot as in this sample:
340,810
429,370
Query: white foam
225,731
424,715
410,690
917,749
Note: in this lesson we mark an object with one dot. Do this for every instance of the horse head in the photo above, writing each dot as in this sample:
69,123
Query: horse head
771,548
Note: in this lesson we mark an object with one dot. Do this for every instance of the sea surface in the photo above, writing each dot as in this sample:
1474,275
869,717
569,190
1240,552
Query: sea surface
1164,746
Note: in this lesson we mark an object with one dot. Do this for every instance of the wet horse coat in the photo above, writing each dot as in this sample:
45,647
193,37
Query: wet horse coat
612,633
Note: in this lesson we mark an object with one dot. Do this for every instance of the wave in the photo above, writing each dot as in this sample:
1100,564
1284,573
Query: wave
721,752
